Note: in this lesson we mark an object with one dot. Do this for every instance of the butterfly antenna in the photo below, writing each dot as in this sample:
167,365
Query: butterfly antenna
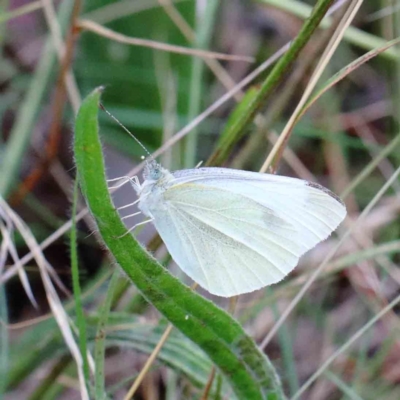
126,130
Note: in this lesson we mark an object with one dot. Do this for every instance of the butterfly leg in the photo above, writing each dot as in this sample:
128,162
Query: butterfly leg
133,181
131,215
128,205
135,226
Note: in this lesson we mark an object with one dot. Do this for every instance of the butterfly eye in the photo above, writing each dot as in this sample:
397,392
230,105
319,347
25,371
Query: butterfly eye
156,173
152,170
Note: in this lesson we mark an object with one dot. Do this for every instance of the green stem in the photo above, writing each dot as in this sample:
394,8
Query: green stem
279,71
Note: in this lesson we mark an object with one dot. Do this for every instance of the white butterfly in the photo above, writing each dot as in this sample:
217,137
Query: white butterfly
234,231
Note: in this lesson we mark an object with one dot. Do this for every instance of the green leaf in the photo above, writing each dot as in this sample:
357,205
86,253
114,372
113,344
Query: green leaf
236,355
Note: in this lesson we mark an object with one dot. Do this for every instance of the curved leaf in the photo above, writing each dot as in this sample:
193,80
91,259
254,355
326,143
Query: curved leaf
236,355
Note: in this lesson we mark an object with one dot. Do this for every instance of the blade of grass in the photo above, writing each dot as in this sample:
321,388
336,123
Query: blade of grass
228,138
123,8
280,69
343,386
353,35
17,12
99,350
52,296
37,346
149,363
344,72
29,109
391,146
47,384
247,369
80,317
204,28
120,38
177,18
276,153
286,344
124,331
344,347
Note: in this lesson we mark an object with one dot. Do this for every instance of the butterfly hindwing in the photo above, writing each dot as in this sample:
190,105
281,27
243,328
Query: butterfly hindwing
227,243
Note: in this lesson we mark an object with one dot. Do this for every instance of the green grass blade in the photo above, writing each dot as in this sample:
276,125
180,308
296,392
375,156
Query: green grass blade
349,392
367,170
280,69
100,339
355,36
227,140
236,355
47,388
203,34
80,317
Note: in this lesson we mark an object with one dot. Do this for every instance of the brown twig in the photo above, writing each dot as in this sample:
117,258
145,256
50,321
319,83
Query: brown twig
208,386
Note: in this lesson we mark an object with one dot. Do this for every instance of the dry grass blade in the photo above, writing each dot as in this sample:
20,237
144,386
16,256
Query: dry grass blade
118,37
276,152
343,348
54,301
17,12
346,71
46,243
152,358
8,246
55,30
113,11
221,74
149,363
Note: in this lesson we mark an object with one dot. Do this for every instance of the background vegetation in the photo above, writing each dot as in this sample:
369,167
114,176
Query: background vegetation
72,323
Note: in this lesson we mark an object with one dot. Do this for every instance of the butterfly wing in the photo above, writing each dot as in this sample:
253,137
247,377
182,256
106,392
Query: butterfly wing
313,210
234,232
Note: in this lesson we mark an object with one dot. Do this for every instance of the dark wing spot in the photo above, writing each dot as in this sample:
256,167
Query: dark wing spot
325,190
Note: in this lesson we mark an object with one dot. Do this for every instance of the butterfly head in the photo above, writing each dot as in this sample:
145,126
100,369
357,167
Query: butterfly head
155,175
156,180
153,171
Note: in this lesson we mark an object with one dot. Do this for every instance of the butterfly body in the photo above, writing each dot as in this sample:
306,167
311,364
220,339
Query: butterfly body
235,231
